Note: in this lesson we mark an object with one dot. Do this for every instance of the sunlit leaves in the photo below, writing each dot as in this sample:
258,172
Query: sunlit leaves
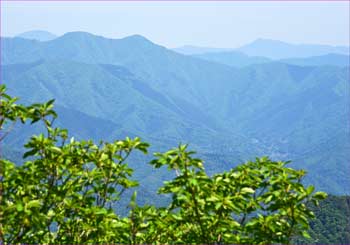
256,202
67,192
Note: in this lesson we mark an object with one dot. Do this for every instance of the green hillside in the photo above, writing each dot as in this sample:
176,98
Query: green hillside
134,86
332,223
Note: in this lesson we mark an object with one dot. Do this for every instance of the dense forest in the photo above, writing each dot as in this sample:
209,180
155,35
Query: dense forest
332,223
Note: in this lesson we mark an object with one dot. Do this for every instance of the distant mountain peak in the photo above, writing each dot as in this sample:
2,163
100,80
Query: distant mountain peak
38,35
267,40
276,49
78,34
137,38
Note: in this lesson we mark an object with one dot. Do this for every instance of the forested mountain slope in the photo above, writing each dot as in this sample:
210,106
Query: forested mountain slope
135,86
332,223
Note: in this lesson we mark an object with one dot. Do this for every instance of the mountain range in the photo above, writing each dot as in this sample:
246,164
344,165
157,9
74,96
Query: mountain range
295,109
272,49
275,49
238,59
37,35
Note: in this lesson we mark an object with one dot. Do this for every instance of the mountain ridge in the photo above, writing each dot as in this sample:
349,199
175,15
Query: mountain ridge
275,49
38,35
263,109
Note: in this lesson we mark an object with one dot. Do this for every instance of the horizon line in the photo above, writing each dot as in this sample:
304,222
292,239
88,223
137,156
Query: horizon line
178,46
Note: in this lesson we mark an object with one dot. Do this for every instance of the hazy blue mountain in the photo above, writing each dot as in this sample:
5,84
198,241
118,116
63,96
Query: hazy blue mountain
322,60
288,112
238,59
280,50
302,114
37,35
184,79
193,50
287,94
233,58
114,101
272,49
113,93
72,120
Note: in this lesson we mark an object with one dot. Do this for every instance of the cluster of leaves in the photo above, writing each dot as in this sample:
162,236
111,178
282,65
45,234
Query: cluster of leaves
255,203
67,192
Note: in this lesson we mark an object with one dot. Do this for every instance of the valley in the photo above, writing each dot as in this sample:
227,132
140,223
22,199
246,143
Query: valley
229,106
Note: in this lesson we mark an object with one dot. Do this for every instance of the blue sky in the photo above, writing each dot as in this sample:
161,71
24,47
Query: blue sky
214,24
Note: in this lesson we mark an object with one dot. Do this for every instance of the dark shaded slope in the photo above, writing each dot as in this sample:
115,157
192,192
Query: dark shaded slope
332,223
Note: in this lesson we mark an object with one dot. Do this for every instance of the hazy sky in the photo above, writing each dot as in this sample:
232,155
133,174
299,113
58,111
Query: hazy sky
215,24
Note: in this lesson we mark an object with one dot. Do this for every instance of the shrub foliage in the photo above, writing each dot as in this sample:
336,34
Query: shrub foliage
67,191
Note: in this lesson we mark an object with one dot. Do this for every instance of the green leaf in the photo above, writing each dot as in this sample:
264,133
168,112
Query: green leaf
56,149
35,120
50,102
320,195
33,204
101,211
247,190
19,207
268,199
310,189
30,153
51,213
306,234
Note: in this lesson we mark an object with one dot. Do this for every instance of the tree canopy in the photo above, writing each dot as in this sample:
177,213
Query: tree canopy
67,191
